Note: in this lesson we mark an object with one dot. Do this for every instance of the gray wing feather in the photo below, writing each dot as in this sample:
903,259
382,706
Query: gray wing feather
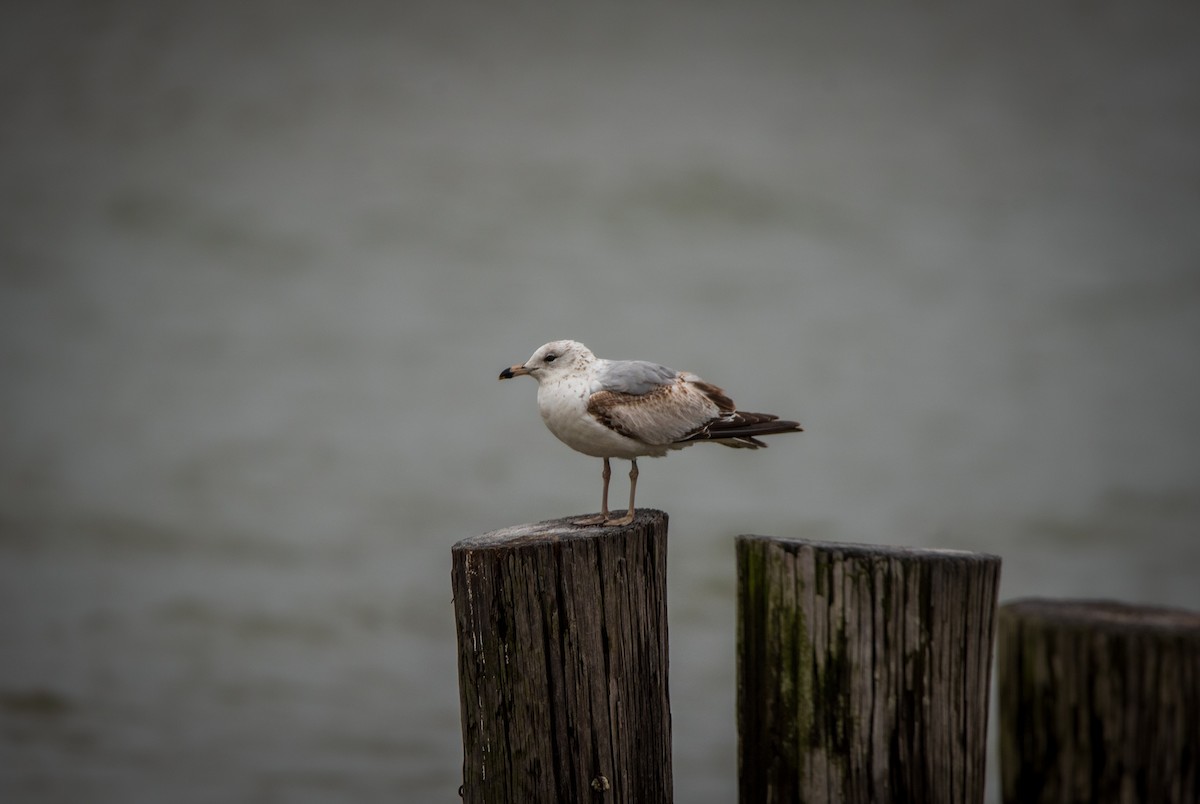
635,377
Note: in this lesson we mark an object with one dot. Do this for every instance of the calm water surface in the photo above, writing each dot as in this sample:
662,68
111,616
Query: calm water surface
260,266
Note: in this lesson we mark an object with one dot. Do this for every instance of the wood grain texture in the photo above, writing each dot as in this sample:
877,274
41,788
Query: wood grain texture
863,672
1099,702
562,656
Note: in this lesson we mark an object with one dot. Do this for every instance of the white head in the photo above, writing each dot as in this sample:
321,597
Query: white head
553,360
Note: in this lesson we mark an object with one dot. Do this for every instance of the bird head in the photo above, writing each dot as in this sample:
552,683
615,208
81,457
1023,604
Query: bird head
552,359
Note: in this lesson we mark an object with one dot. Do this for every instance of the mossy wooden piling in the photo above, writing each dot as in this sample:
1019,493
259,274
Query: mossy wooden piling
1099,702
863,672
562,657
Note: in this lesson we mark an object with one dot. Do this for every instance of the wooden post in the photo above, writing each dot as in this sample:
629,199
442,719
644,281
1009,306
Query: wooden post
863,672
562,661
1099,702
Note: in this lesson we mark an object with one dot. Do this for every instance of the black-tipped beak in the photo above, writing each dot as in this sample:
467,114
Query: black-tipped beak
513,371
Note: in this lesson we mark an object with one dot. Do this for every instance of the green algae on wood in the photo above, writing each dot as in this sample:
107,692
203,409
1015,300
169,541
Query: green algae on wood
863,671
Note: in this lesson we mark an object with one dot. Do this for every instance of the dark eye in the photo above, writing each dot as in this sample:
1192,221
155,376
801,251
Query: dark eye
550,358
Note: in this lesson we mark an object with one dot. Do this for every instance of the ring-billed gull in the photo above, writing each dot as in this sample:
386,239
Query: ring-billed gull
631,408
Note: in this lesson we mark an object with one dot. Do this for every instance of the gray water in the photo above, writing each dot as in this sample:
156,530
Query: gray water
262,262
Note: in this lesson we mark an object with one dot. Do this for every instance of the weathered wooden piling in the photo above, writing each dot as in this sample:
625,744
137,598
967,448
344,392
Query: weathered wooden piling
863,672
562,658
1099,702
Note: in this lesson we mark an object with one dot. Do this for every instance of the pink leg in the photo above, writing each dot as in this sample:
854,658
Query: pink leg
633,476
603,517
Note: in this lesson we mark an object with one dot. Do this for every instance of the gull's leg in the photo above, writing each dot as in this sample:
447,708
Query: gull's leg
603,517
633,476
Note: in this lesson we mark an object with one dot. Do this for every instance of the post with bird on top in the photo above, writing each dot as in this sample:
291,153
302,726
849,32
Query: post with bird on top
562,661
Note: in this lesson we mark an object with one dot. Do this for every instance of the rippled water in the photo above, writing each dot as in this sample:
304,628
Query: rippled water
262,263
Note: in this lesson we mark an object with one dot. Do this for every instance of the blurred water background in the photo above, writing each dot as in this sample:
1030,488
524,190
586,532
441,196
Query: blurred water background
262,262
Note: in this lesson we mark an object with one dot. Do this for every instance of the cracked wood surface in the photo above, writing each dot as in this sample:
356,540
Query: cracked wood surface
562,655
863,672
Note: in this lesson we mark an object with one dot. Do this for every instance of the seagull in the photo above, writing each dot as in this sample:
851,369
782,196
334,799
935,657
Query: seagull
631,409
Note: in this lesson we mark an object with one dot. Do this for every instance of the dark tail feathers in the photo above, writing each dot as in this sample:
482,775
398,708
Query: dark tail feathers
739,428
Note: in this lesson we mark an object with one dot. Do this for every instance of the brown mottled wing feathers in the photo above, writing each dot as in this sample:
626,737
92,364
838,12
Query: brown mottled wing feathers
602,406
661,416
715,395
686,410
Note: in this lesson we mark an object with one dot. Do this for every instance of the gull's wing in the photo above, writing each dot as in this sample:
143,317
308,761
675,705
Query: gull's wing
654,404
660,406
